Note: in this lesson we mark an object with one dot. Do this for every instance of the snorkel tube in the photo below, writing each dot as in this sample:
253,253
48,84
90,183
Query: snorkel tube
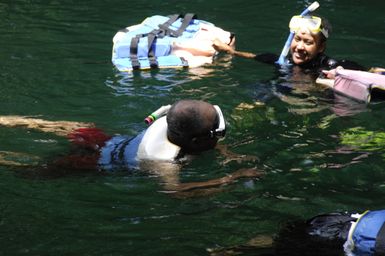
283,57
156,114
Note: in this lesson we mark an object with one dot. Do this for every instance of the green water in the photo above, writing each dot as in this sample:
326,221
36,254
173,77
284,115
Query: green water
321,152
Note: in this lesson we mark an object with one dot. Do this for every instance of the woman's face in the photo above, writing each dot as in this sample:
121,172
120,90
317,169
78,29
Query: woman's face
305,46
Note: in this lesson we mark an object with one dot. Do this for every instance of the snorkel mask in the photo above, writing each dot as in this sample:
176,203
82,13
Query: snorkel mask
311,23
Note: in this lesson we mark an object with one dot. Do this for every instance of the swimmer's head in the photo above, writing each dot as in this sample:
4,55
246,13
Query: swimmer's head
310,37
192,125
311,24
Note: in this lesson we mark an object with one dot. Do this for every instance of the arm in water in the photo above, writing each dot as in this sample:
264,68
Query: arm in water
60,128
204,188
222,47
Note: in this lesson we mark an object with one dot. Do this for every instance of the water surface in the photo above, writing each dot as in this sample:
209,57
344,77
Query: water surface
321,152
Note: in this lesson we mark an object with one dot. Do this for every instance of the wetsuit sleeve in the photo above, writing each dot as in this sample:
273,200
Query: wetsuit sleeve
268,58
327,63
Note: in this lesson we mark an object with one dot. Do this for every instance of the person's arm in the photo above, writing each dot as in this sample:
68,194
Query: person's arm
206,188
242,173
60,128
267,58
331,74
328,76
170,179
222,47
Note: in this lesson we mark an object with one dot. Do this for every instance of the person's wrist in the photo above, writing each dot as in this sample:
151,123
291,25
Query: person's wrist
231,51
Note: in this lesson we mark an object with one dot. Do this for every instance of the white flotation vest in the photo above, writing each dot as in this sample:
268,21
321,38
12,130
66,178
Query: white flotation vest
155,144
166,42
124,152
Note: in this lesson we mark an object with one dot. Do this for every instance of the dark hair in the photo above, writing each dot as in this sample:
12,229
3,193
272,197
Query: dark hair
325,24
189,125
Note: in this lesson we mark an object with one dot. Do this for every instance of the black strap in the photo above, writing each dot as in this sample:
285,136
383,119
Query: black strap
379,249
151,52
151,38
186,21
164,29
134,52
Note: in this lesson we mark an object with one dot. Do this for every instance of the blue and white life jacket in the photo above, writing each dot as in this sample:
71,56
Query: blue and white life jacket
367,235
149,44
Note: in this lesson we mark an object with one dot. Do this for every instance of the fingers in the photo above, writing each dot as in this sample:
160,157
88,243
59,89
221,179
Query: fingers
330,74
220,46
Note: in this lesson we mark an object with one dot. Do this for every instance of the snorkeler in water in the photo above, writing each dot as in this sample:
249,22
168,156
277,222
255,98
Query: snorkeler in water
333,234
186,128
307,49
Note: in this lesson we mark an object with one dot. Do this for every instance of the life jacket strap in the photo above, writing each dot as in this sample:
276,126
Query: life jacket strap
186,21
134,52
151,50
379,249
164,30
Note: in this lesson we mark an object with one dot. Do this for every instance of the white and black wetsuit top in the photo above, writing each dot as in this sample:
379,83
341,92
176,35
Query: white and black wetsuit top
125,152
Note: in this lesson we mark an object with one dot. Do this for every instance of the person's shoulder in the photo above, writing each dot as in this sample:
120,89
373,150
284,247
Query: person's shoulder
325,62
331,63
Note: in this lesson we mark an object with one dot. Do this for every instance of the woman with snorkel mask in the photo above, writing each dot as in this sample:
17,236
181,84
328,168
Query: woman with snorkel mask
306,49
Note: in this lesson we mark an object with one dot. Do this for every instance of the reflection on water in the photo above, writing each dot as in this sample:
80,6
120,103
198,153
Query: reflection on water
146,83
343,106
9,158
162,81
304,96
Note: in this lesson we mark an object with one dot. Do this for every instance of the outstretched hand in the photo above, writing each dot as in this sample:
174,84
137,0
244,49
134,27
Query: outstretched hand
331,74
241,173
222,47
205,188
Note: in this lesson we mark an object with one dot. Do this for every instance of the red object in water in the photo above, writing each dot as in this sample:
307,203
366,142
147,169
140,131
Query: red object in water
92,138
